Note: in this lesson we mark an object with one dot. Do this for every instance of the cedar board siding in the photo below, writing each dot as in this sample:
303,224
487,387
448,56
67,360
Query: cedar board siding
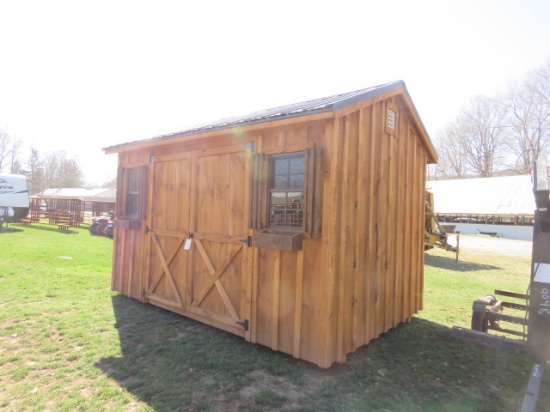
358,278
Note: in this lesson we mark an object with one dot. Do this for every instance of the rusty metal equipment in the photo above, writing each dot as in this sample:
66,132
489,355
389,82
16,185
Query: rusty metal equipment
487,312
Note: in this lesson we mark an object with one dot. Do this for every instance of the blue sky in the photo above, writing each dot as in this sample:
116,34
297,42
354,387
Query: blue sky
81,76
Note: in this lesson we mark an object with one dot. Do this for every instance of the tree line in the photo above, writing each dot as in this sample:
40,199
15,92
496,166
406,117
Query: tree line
43,170
501,134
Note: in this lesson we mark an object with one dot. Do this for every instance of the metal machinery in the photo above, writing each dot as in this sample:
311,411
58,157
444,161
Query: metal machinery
434,235
535,313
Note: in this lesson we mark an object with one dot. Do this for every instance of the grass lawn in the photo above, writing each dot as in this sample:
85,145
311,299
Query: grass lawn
68,343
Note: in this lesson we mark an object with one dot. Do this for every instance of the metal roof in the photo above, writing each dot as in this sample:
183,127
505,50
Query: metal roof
499,196
80,193
308,107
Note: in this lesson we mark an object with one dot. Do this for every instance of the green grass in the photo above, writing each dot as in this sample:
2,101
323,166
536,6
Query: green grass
68,343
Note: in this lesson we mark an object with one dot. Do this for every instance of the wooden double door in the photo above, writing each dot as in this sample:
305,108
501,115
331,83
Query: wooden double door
199,259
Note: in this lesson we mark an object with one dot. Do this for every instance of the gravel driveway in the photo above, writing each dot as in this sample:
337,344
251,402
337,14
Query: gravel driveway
510,247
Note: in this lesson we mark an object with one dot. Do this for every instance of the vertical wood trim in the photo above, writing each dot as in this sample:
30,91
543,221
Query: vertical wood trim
120,186
276,301
246,286
346,205
400,219
122,259
309,189
391,232
332,241
191,224
318,193
298,303
414,237
381,196
361,238
246,280
407,231
254,297
253,191
194,192
341,246
421,234
263,191
256,171
371,232
143,194
147,241
131,264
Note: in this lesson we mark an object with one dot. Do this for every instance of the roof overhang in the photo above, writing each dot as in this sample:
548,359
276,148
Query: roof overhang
317,109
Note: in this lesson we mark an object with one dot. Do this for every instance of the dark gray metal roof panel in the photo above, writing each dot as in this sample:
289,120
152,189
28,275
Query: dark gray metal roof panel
308,107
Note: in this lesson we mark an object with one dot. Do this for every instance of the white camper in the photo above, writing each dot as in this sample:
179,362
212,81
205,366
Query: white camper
14,198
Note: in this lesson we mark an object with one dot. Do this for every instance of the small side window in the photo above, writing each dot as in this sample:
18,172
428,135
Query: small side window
131,192
286,205
133,188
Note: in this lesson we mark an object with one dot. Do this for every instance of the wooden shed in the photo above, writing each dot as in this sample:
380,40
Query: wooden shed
299,227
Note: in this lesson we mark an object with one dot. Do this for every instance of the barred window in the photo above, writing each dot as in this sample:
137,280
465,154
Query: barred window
286,190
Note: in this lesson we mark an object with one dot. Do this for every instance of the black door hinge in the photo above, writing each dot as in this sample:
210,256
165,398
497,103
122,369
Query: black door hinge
247,240
244,324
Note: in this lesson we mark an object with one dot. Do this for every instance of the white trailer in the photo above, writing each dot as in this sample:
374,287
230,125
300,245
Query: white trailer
14,198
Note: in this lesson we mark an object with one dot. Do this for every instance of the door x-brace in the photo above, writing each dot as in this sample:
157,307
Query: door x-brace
166,268
215,275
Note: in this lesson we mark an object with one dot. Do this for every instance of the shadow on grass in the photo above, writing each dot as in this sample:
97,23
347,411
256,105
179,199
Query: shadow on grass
176,364
450,263
45,227
9,230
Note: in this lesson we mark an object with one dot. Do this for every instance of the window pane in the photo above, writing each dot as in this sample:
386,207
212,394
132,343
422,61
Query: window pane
132,202
295,199
286,197
281,166
277,210
133,180
281,182
294,218
278,199
297,165
296,182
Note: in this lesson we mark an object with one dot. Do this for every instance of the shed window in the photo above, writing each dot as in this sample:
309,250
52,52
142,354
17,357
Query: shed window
286,190
131,192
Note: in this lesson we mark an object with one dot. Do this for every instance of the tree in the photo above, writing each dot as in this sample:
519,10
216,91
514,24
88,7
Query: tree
5,142
15,164
70,174
472,145
452,161
111,184
60,171
483,137
35,172
528,114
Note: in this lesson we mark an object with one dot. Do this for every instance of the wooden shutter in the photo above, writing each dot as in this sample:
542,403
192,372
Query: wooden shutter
258,176
314,190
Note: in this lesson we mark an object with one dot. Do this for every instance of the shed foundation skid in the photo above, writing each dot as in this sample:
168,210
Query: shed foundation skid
299,228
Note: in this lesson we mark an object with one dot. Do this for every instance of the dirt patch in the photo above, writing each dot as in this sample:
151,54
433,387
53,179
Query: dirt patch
499,245
265,392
